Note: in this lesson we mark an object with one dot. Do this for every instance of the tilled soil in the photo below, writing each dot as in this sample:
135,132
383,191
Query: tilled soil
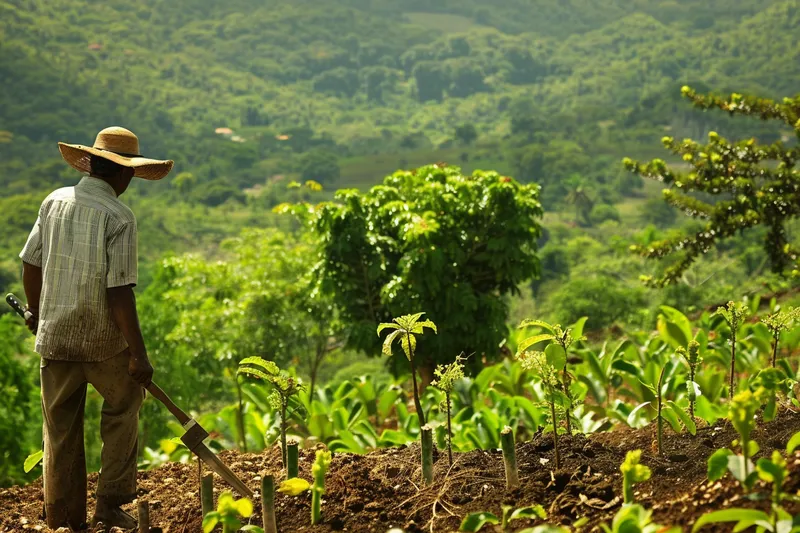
382,490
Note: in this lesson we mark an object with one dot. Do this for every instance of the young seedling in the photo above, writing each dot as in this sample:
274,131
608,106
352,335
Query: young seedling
318,471
509,457
668,410
632,518
426,438
773,471
446,378
632,472
777,323
693,359
741,412
734,314
539,363
406,328
228,513
284,388
564,339
477,521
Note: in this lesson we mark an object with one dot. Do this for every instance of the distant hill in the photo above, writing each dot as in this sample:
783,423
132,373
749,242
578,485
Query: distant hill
367,76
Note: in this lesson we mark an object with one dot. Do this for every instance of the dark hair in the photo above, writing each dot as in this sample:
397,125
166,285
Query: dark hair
103,168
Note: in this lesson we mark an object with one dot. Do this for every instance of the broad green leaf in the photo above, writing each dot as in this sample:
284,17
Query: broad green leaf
267,366
532,512
577,327
671,417
674,327
730,515
255,372
633,416
718,464
475,521
387,325
693,389
736,466
252,527
294,487
409,344
687,422
418,328
36,457
793,443
536,339
624,366
387,342
210,521
555,356
538,323
244,507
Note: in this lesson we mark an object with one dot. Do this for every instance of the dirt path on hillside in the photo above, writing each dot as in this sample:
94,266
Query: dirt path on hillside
376,492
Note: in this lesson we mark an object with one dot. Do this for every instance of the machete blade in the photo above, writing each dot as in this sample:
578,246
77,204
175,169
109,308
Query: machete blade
215,464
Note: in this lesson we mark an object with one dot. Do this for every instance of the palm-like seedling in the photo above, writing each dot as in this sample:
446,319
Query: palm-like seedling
777,323
405,329
734,314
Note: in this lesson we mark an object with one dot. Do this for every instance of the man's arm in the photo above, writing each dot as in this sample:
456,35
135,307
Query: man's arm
32,281
122,305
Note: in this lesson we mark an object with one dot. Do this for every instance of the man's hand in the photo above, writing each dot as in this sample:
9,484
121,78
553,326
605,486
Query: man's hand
141,370
33,321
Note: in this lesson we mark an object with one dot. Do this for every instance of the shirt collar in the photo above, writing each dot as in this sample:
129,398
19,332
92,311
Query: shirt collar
97,185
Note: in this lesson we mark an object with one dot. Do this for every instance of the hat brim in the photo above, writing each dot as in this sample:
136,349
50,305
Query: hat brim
79,158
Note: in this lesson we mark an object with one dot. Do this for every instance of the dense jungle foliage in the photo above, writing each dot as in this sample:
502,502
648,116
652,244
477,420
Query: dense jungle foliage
253,98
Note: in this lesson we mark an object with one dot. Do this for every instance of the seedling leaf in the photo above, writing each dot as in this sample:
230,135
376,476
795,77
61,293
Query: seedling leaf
294,487
475,521
686,420
634,414
538,323
718,464
532,512
36,457
536,339
731,515
794,442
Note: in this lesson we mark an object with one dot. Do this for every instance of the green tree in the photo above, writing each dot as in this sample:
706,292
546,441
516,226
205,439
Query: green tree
752,185
434,239
466,133
319,165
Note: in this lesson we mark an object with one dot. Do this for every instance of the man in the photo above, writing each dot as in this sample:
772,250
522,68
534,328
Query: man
79,270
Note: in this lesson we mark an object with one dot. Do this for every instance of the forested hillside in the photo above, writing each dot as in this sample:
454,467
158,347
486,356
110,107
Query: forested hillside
259,101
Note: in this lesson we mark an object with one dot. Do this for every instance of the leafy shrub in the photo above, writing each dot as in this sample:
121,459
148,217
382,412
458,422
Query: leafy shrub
604,300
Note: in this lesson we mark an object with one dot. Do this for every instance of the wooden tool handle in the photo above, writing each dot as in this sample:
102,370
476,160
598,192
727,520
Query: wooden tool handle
162,397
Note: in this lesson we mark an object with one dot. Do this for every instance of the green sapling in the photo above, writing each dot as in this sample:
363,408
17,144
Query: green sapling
406,328
318,471
733,314
446,378
284,388
777,323
538,363
632,472
693,359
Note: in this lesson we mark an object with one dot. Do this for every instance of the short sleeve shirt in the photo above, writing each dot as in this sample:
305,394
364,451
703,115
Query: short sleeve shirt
85,242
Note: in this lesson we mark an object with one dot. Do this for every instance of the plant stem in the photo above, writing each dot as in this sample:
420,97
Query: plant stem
207,493
745,452
555,433
509,457
426,436
292,460
284,401
733,364
627,489
417,403
775,351
240,415
449,431
691,401
268,504
568,408
660,420
144,516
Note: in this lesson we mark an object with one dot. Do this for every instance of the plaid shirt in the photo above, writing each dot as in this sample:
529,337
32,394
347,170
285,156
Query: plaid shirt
85,241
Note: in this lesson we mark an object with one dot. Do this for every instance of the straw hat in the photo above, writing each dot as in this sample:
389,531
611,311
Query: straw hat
120,146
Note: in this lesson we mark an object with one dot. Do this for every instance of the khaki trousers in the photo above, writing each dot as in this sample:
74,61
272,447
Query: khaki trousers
63,401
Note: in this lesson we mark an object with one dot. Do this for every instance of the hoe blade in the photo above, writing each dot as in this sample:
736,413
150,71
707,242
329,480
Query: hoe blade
215,464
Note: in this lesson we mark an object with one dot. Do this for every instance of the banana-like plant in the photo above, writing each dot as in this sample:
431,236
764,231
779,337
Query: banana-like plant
406,328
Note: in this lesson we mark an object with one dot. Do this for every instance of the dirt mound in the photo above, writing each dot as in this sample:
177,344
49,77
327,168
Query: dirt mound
381,490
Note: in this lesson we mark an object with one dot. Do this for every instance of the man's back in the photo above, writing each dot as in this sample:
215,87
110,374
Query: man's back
85,242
